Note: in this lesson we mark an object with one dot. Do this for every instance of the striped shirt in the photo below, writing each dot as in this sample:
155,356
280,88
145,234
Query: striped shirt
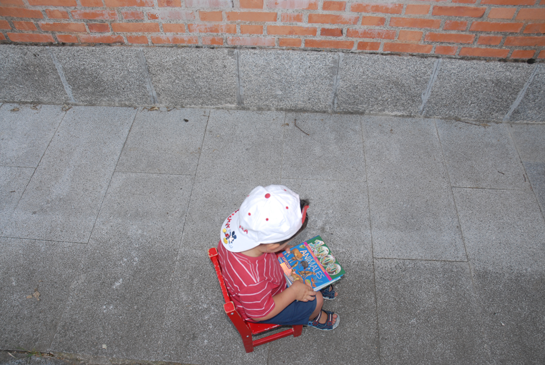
251,281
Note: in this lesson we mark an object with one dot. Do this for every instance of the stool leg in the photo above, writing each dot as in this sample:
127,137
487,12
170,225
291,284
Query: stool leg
297,330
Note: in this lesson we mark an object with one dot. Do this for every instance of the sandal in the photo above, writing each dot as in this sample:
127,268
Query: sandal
328,293
328,325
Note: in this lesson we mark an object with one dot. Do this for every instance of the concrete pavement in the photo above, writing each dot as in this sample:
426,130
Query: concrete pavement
106,214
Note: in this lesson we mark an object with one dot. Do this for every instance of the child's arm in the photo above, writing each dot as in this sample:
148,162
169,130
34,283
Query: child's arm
297,291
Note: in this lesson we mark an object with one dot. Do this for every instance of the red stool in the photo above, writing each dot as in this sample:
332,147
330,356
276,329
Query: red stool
248,329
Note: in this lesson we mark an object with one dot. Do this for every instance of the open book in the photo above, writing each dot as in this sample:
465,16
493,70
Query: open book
312,262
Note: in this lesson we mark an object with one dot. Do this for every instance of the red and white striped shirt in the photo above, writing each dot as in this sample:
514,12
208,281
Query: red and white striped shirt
251,281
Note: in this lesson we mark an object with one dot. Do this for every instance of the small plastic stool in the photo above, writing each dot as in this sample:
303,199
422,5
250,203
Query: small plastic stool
248,329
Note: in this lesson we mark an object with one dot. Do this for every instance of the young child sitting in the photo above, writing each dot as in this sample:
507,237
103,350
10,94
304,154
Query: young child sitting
250,238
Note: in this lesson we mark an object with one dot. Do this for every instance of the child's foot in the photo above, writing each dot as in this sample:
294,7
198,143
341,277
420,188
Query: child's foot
329,293
326,321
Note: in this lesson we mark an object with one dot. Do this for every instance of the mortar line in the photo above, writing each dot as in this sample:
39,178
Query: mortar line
111,177
240,92
60,71
336,83
366,183
521,94
149,84
427,93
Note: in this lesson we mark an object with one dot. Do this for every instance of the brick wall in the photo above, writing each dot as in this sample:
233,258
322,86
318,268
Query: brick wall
499,29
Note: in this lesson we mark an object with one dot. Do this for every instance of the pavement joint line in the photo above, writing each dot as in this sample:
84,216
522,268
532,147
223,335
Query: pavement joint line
151,173
43,240
283,147
149,84
500,189
430,260
336,78
60,71
427,93
521,93
240,90
18,167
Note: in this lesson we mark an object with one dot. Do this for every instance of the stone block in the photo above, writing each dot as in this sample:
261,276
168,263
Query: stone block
530,141
532,105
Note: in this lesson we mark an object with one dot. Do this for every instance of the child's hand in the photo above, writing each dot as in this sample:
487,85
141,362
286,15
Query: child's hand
303,292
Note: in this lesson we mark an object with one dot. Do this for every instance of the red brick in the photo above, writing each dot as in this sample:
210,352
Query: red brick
101,38
501,13
290,30
212,41
211,16
464,1
409,36
377,8
455,25
4,25
489,40
56,14
91,3
64,27
525,41
334,5
52,2
508,2
484,52
12,3
173,28
446,50
331,32
99,27
174,39
496,27
251,4
67,38
450,37
171,15
289,42
368,46
519,53
415,23
248,41
542,53
127,3
215,28
251,29
2,37
30,37
251,16
417,9
467,11
371,33
332,19
135,27
373,20
407,48
535,28
292,18
94,14
20,13
531,14
293,4
316,43
169,3
137,39
24,26
132,15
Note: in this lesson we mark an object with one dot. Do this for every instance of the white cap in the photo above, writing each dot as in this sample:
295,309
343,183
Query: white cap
268,215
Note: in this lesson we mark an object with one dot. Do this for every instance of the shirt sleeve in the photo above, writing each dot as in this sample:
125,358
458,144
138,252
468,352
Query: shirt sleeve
257,299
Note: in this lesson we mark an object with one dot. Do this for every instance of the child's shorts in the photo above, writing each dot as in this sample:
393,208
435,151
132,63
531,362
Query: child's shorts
295,313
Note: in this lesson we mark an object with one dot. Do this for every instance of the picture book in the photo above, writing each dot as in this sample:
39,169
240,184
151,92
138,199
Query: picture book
311,262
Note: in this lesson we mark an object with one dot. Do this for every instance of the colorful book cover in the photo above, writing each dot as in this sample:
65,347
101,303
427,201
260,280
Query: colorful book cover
312,262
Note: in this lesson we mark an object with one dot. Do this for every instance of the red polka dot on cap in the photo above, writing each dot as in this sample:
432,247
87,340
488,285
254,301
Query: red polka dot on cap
267,196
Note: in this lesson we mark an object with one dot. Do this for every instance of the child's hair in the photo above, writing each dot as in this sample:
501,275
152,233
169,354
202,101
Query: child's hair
302,203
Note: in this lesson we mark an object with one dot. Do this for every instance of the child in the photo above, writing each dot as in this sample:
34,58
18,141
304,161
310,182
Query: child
250,237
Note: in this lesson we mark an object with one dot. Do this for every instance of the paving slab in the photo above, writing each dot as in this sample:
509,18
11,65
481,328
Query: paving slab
25,132
413,215
427,313
47,270
378,84
476,89
532,105
287,80
63,198
27,73
512,308
503,229
13,181
536,173
193,76
121,300
530,141
320,146
167,142
481,156
242,145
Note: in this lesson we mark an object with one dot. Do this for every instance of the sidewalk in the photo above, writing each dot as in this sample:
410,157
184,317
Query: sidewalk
107,214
